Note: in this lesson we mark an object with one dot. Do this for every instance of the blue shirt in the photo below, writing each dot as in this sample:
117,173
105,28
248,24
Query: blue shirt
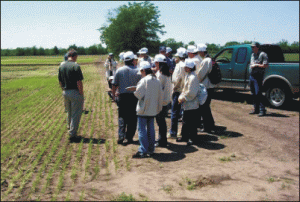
126,76
171,63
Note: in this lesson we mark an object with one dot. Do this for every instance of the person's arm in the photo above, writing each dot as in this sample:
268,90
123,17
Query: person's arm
80,87
140,90
113,91
204,68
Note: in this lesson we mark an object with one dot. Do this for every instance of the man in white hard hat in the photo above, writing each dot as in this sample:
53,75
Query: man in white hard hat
192,52
178,82
126,76
202,74
111,67
170,57
190,103
144,56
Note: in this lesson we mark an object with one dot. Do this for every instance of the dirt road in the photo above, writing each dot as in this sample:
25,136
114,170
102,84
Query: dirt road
248,158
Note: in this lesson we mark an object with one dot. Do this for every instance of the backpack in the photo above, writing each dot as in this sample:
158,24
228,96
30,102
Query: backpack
202,94
215,74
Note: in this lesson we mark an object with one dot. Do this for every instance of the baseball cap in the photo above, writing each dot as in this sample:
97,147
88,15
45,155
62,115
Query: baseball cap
181,52
143,51
121,56
168,50
162,48
201,47
145,65
128,56
189,63
255,44
160,58
192,49
110,54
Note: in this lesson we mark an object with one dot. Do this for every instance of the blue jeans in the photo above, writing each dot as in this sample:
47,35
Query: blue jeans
256,91
146,134
175,115
162,125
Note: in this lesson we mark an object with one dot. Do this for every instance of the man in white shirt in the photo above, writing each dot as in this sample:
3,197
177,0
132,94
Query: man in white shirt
177,81
192,52
202,74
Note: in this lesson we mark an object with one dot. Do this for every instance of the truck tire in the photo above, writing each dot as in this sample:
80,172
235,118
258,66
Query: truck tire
278,95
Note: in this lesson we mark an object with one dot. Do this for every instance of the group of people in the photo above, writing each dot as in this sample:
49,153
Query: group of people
146,88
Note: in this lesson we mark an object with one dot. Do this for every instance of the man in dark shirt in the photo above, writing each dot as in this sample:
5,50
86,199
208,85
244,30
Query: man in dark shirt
70,79
259,61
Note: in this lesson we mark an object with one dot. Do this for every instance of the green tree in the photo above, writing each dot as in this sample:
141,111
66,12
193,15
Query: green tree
73,47
213,48
41,51
247,42
92,50
55,50
81,50
20,52
34,50
295,47
172,44
132,27
101,49
191,43
231,43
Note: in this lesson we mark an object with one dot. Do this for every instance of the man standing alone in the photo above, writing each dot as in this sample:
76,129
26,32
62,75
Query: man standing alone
259,61
70,79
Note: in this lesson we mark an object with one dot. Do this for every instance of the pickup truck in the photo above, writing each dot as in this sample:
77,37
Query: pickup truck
281,79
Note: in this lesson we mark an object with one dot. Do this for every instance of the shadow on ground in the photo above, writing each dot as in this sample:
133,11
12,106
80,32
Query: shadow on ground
178,153
88,140
246,98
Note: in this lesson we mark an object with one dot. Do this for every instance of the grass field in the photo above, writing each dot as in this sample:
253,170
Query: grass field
45,59
37,160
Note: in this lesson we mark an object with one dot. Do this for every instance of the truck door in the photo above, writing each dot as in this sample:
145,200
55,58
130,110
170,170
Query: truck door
224,59
240,68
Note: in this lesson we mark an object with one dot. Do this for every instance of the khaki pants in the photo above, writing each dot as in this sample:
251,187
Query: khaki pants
74,107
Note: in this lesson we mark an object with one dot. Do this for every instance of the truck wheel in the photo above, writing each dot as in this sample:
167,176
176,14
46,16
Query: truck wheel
277,96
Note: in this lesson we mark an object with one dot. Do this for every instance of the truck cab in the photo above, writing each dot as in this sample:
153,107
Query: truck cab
281,79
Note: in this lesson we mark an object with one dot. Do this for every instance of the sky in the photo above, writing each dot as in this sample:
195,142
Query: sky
63,23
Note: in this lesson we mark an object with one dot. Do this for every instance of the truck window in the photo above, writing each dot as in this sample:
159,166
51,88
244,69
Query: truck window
241,55
225,56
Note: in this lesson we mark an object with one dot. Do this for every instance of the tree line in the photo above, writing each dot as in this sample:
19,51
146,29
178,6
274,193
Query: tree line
100,50
34,51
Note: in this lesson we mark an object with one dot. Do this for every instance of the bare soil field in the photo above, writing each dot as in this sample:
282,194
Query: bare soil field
247,158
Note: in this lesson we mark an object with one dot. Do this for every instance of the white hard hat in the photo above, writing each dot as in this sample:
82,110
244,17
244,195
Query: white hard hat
168,50
160,58
143,50
145,65
181,52
121,56
201,47
189,63
192,49
128,56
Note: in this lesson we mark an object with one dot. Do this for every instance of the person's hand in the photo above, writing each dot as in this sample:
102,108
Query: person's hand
254,65
181,100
